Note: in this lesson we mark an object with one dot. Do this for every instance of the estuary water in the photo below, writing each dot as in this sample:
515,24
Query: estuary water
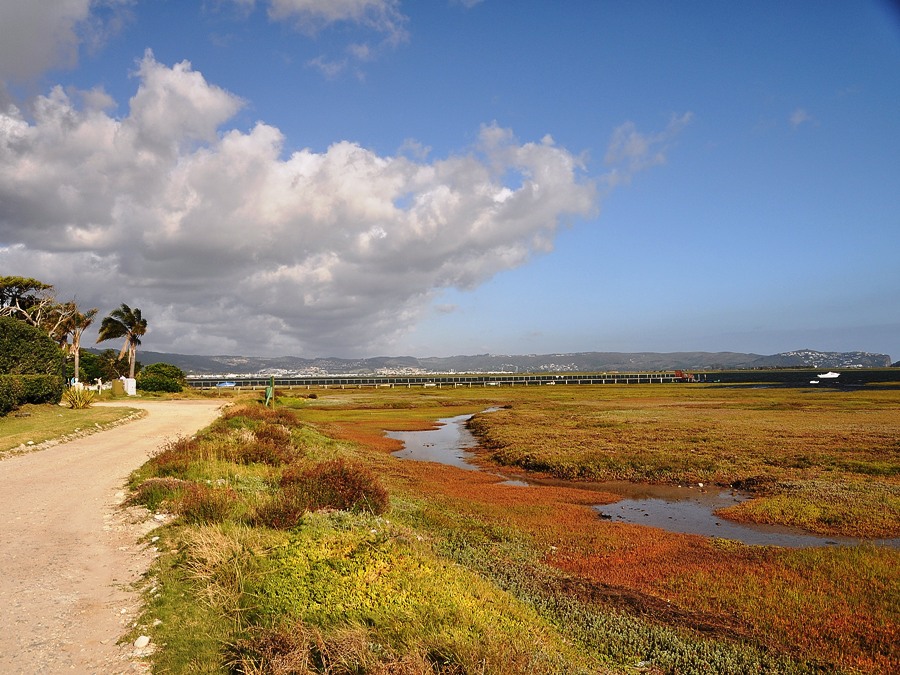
445,445
688,509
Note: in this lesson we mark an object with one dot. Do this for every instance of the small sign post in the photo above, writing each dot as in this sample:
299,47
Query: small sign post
270,393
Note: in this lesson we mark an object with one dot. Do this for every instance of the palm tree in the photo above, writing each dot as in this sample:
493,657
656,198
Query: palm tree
127,323
78,322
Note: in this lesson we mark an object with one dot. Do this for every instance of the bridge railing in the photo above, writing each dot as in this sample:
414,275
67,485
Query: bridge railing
440,381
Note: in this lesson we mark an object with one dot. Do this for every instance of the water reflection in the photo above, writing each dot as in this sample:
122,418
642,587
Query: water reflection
684,509
446,445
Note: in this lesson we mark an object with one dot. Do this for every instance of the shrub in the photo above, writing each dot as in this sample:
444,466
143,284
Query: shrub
11,392
78,399
175,457
26,350
336,484
329,485
156,492
260,413
158,383
18,389
166,371
277,434
283,512
299,649
204,504
262,452
197,503
42,388
266,444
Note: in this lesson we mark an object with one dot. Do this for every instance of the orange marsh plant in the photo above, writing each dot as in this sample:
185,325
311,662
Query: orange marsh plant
837,605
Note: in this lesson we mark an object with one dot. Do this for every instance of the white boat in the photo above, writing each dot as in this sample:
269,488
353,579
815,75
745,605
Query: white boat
830,375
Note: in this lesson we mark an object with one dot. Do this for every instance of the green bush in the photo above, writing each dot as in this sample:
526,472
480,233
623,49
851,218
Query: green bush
161,377
338,485
26,350
158,383
165,370
42,388
11,392
30,364
16,390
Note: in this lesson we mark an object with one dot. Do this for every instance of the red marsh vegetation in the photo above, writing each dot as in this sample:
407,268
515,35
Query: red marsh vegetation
827,461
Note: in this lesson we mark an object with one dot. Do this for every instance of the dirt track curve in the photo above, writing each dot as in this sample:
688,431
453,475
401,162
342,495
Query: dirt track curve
68,555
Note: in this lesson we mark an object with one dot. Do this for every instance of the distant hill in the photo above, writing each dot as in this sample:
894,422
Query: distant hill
527,363
814,359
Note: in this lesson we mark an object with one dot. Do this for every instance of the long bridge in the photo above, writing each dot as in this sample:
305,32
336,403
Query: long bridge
437,380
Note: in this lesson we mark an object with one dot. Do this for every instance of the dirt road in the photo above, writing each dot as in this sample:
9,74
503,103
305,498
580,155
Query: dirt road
68,555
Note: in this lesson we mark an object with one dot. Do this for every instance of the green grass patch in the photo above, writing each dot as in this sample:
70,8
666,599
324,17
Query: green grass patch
620,640
186,611
863,509
338,571
34,424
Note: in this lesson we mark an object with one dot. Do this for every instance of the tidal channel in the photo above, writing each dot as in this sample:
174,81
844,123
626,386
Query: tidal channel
684,509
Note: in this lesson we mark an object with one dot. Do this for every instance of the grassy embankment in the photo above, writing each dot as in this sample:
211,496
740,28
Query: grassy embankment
458,573
34,424
31,425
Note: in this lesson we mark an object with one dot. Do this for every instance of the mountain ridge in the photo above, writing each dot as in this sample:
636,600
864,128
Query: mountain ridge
475,363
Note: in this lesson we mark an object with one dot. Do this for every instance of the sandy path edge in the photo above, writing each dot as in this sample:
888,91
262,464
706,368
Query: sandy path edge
69,555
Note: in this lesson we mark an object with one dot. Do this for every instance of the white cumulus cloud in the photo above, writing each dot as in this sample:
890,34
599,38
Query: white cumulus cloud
228,245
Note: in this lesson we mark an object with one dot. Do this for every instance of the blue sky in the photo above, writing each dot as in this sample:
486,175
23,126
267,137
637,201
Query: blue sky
374,177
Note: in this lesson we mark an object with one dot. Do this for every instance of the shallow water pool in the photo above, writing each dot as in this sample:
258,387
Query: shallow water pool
685,509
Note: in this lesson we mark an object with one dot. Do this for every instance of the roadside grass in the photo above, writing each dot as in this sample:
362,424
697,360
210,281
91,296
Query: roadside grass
35,424
339,571
369,594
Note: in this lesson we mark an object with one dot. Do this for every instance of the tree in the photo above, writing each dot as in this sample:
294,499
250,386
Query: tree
90,368
34,302
18,295
75,326
107,366
127,323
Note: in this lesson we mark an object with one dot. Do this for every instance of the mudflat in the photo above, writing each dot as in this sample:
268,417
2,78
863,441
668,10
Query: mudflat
68,553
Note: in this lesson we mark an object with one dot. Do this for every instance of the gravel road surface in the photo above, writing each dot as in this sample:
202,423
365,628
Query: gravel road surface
69,555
